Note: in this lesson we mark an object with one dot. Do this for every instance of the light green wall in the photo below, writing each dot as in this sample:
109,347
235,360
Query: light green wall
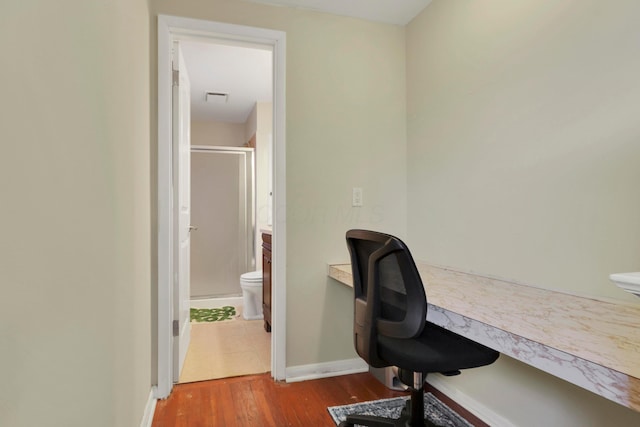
523,147
345,127
523,139
217,133
74,179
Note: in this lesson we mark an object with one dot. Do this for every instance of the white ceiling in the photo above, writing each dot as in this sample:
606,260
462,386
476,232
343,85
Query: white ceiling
242,72
398,12
246,73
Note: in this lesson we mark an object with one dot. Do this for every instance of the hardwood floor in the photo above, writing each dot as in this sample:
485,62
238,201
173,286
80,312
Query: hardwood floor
257,401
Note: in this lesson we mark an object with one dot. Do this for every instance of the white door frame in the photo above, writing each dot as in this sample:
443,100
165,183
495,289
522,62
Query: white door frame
171,28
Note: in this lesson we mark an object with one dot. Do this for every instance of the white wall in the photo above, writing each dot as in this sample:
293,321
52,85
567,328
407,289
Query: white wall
345,95
264,171
522,124
251,124
75,246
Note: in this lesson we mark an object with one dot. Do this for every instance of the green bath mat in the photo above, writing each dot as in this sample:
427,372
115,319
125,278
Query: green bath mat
213,314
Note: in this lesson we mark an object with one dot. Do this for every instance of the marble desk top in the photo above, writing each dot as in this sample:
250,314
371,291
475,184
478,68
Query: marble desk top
589,342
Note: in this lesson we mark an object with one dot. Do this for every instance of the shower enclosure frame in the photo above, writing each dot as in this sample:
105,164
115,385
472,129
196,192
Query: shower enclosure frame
246,213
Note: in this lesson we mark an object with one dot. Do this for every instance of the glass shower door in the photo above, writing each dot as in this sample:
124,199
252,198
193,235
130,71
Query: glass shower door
222,212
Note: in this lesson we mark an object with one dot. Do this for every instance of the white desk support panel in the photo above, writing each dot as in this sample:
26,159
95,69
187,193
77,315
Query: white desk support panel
591,343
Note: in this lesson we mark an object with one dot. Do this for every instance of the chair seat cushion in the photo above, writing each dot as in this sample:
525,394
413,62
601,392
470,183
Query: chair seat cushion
435,350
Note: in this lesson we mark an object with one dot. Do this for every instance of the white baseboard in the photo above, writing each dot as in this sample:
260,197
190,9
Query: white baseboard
149,410
476,408
325,370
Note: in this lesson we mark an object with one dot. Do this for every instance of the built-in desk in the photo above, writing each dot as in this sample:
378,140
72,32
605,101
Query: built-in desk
592,343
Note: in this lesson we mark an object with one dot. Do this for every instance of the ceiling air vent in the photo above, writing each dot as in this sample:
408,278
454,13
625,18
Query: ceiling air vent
216,97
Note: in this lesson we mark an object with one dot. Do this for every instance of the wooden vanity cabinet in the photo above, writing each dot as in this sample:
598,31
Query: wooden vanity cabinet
266,280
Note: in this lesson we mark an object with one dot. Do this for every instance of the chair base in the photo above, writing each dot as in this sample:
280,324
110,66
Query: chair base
412,415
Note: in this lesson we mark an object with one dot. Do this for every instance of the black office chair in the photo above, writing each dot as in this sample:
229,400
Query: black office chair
390,327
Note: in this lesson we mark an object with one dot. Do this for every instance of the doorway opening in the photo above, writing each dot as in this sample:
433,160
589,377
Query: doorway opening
227,338
172,31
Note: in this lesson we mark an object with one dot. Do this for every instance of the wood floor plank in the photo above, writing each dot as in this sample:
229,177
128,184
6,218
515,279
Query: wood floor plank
247,413
258,401
289,396
270,418
227,408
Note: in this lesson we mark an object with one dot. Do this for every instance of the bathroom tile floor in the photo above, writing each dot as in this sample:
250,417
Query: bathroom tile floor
227,349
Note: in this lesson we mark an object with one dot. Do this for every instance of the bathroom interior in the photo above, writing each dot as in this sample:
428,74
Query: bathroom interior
231,207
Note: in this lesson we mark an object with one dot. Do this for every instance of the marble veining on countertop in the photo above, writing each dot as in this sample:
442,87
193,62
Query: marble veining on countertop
589,342
602,332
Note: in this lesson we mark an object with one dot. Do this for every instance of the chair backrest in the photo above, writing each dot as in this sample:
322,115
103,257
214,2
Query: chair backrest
389,295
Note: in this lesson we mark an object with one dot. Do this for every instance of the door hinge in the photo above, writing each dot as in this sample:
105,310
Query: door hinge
176,328
176,78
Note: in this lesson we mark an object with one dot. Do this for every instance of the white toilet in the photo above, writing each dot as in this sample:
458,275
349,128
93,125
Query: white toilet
251,284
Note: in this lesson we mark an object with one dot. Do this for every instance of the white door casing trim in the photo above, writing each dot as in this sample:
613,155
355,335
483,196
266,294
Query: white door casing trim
171,28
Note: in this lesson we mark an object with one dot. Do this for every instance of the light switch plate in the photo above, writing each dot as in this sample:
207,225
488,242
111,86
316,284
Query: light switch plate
356,197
